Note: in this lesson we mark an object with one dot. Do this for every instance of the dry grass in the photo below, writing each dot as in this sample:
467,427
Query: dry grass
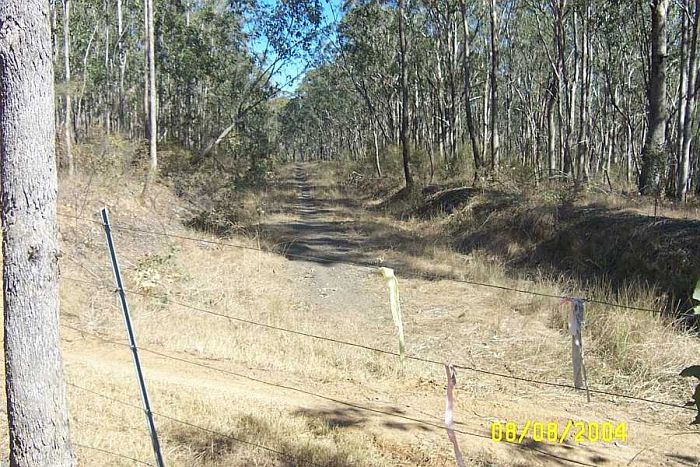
641,205
633,351
238,282
486,328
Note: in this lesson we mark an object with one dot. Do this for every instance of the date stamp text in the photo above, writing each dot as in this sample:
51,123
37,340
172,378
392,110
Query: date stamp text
558,433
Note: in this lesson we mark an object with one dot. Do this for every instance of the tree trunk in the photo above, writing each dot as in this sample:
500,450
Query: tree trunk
405,150
571,97
451,47
106,114
473,136
485,110
683,81
552,90
153,128
565,93
146,71
68,129
377,163
653,152
79,112
495,145
689,98
122,63
440,104
584,129
54,28
36,397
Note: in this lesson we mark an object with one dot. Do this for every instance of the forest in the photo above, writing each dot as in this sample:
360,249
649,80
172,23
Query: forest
244,186
567,90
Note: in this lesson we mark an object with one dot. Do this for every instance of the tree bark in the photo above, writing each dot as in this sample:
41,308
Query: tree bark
377,163
68,129
36,397
153,127
473,136
688,101
495,145
653,152
405,150
552,91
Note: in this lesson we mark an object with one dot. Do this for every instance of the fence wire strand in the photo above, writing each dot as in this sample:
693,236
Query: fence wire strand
218,433
186,423
363,265
335,341
460,366
112,453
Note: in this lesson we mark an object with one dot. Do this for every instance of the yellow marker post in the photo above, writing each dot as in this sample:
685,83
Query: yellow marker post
393,285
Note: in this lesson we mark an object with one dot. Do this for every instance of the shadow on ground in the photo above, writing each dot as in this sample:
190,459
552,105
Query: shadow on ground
544,452
251,442
319,237
345,417
588,244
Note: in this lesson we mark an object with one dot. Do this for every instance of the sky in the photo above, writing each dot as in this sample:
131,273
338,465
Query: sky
295,68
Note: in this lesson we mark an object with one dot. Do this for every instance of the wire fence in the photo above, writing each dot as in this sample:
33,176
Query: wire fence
418,422
367,265
417,358
112,453
185,423
95,448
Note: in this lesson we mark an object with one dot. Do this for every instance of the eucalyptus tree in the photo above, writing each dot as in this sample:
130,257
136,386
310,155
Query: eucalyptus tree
690,20
150,73
37,409
289,30
368,56
493,77
68,123
653,152
403,51
466,72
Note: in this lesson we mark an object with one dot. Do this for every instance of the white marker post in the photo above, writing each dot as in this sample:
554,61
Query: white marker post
576,322
393,285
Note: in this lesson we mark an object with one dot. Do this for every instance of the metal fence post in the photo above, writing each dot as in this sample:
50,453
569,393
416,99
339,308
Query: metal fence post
132,340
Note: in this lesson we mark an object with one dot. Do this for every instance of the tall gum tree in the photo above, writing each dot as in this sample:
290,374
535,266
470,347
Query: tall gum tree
653,152
151,93
466,70
68,129
493,76
36,400
688,98
403,46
